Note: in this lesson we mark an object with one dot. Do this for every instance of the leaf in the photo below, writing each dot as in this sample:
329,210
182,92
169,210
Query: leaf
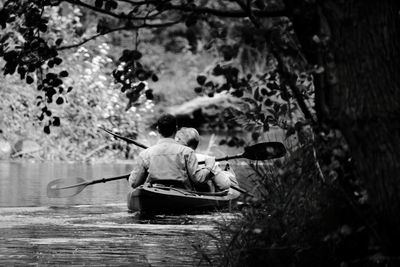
57,60
140,87
59,41
238,93
273,86
50,63
60,100
268,102
149,94
31,68
108,6
136,55
142,75
56,121
98,3
201,79
64,73
113,4
191,20
209,84
291,131
154,77
42,27
46,129
257,94
218,70
29,79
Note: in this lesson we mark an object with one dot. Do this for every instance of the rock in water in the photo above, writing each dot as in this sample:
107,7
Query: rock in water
5,149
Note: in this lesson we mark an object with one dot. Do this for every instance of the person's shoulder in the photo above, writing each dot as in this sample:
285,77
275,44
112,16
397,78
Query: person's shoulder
186,149
145,152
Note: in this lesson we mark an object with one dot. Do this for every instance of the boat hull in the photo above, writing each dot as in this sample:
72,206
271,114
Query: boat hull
166,200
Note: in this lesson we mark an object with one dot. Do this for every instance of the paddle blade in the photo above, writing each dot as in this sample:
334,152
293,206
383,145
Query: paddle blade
264,151
65,187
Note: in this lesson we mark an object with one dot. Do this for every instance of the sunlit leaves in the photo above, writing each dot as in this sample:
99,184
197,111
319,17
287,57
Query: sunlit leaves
132,75
33,52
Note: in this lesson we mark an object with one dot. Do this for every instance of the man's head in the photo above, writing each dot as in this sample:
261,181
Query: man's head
166,125
188,137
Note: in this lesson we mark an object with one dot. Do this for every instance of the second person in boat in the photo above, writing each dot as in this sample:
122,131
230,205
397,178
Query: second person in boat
220,180
170,163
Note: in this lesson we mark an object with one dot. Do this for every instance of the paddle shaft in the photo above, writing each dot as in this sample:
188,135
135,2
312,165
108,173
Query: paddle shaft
143,146
225,158
129,140
104,180
126,139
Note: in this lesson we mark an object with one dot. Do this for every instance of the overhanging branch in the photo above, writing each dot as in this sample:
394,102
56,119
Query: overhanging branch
105,12
228,13
124,28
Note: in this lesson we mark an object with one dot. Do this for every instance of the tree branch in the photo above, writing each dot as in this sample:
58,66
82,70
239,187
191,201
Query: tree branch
229,13
124,28
103,11
291,81
247,8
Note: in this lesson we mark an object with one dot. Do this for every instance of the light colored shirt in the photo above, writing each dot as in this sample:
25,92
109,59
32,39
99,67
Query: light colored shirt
222,179
167,160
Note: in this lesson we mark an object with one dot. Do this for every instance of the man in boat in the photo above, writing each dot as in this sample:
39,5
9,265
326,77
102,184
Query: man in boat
221,179
168,162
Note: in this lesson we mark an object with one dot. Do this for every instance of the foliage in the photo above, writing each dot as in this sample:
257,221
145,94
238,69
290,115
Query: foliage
77,113
301,217
272,55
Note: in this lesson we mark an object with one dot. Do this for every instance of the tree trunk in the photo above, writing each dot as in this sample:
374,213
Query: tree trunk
360,92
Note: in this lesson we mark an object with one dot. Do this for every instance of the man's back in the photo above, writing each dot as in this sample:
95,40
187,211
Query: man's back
166,160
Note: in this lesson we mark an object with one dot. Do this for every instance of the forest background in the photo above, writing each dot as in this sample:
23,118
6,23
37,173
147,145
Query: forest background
325,72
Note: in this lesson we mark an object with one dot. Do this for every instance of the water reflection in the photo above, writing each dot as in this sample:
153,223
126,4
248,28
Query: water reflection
103,235
93,228
24,183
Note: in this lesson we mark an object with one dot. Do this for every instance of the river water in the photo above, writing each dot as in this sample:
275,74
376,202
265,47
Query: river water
93,228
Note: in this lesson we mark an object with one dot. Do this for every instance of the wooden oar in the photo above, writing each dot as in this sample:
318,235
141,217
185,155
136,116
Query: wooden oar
71,187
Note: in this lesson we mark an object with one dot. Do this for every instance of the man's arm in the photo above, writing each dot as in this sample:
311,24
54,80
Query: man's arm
199,174
139,173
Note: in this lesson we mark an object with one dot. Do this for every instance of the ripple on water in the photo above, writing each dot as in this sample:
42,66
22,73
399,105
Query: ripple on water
103,235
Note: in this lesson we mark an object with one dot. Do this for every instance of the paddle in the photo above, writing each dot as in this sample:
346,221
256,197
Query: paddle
128,140
62,187
260,151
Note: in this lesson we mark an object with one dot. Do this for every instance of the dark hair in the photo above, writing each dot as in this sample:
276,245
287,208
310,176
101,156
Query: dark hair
166,125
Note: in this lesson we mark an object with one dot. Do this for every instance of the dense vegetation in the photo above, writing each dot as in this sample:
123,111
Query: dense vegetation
324,71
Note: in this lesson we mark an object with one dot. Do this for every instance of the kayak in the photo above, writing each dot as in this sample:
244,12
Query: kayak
160,199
